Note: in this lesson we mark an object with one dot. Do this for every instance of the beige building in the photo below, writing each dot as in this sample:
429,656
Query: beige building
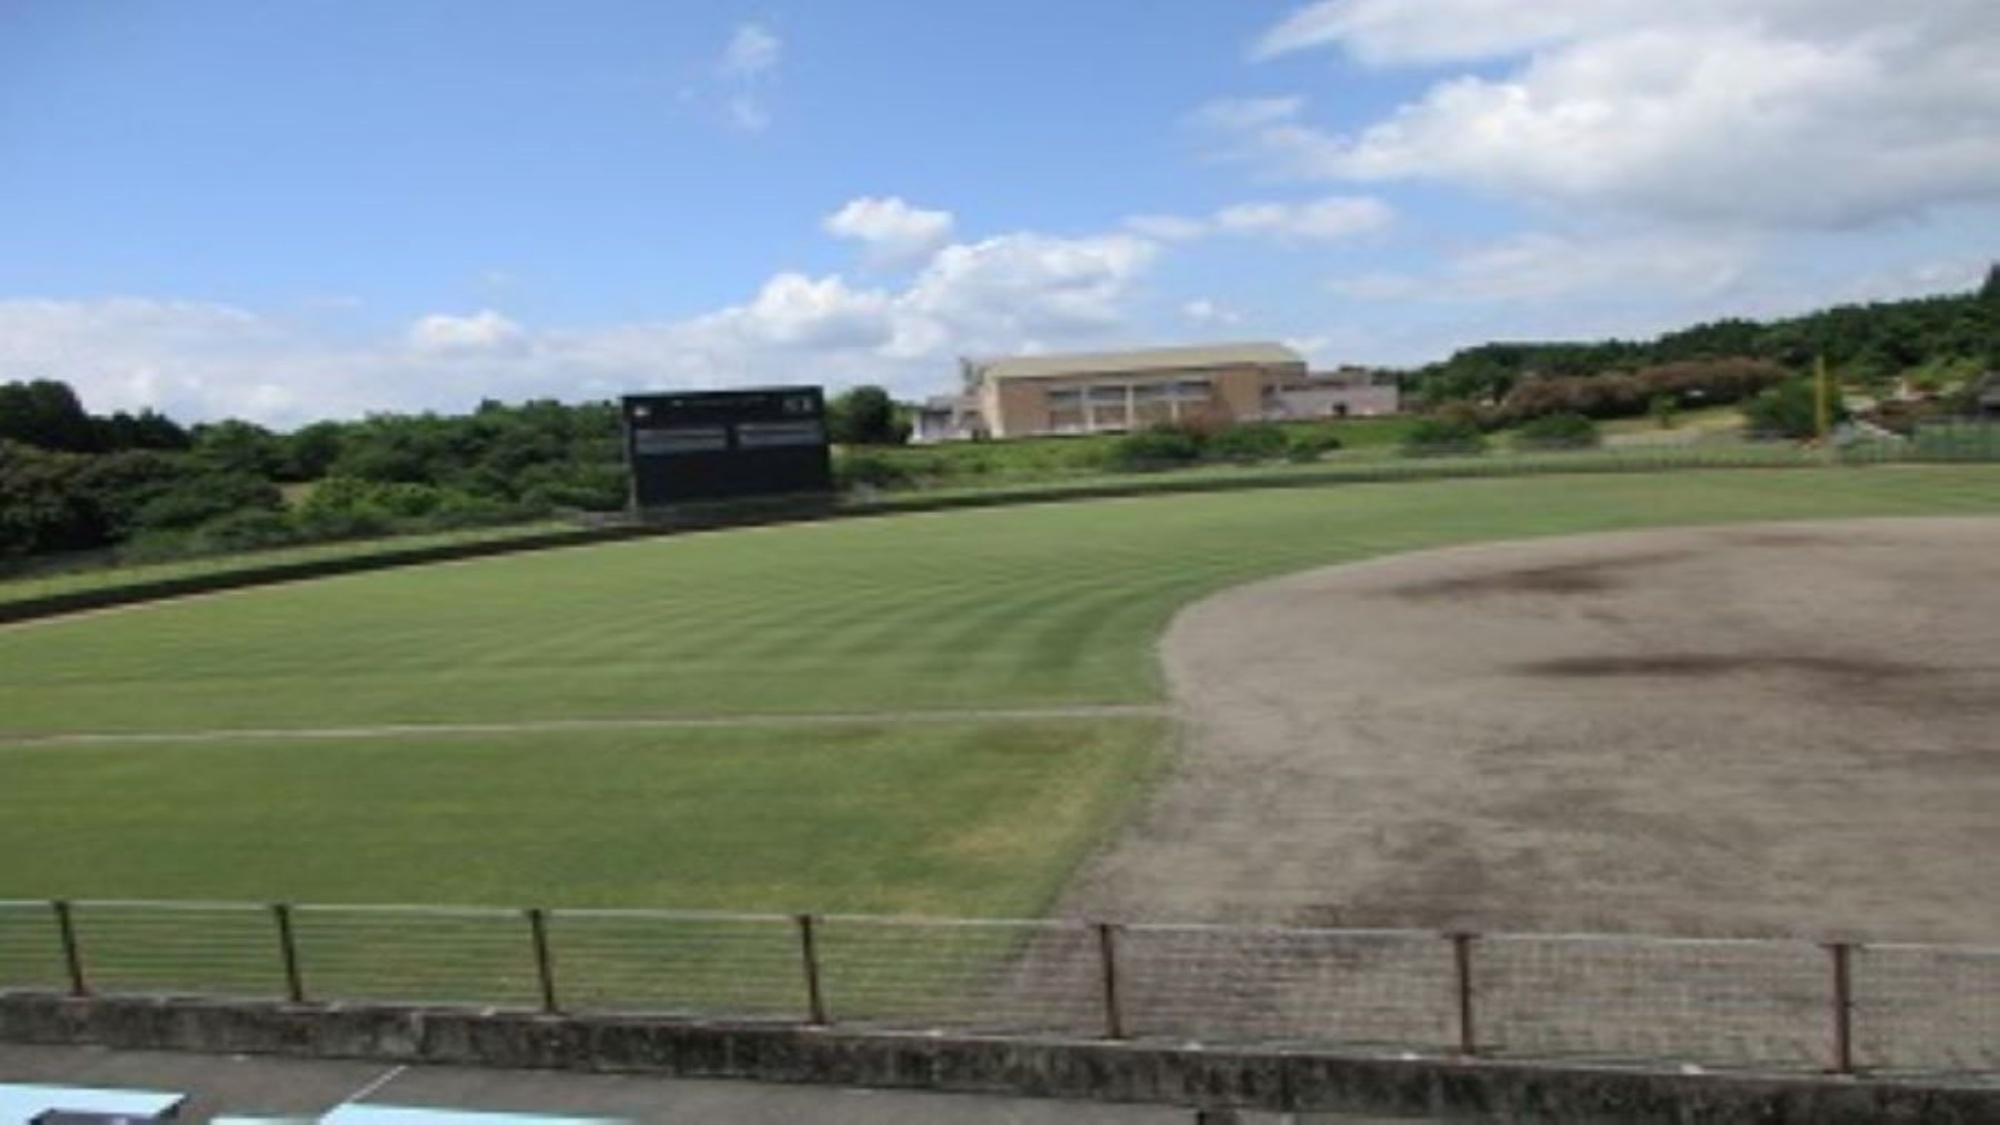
1097,392
1109,392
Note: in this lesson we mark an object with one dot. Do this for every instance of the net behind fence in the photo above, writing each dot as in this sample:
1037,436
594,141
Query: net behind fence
703,965
962,975
1778,1004
217,949
1720,1002
411,955
1228,983
30,948
1927,1007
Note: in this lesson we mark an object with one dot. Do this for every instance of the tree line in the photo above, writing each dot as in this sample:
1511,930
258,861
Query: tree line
1936,343
73,481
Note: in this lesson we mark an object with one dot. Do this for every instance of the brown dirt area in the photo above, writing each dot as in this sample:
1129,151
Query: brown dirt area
1778,730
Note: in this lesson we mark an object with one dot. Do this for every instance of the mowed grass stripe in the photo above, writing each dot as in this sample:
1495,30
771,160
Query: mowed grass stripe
1025,607
965,818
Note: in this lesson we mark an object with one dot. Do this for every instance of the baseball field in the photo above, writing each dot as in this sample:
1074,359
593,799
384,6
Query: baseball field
941,713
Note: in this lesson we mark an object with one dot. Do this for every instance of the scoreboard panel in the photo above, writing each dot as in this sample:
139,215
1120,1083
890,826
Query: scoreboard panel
693,446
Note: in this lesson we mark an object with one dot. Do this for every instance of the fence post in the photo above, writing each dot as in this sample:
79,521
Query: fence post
72,953
809,963
1107,959
545,969
288,952
1461,959
1841,954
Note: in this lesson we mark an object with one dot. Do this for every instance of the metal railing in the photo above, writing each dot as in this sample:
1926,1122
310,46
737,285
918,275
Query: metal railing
1837,1007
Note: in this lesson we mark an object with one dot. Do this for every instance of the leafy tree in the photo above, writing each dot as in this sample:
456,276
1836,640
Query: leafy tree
866,415
147,429
236,447
308,452
46,414
41,507
1791,409
206,496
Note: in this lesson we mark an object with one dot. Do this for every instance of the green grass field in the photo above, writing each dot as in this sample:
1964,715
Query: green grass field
1044,606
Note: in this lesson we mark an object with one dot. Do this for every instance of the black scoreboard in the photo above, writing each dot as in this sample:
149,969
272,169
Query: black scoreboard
692,446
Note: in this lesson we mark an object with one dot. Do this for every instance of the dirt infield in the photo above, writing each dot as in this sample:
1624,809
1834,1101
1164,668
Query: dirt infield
1772,730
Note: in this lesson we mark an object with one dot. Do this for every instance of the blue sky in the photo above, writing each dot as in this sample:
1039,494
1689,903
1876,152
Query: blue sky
285,211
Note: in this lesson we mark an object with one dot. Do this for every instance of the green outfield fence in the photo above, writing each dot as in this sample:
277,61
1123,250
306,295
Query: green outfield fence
1835,1007
1937,442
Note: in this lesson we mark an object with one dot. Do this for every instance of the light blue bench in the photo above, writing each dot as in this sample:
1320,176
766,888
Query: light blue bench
21,1101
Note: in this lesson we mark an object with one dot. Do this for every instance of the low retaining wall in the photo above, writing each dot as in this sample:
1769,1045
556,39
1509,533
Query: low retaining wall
729,516
1178,1074
76,601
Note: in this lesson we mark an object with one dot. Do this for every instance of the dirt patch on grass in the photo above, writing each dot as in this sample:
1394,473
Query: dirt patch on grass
1708,665
1591,577
1776,730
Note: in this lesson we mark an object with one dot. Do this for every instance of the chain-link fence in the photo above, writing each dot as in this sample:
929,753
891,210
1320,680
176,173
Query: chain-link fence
1787,1005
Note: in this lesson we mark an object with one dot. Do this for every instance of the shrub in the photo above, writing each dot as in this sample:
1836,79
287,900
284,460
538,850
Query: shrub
243,531
1251,441
1310,443
1437,434
868,470
200,499
1558,431
1161,447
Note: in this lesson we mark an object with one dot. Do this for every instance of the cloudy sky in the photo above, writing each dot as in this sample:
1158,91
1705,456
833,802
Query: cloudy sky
284,211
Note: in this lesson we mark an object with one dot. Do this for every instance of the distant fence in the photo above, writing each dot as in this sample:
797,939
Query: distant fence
1788,1005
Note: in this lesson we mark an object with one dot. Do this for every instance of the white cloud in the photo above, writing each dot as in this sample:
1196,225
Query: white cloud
1789,113
1315,220
1400,33
1246,114
1026,284
1335,217
198,361
752,51
1394,31
1201,310
1541,267
1167,228
193,360
747,64
795,311
748,113
895,233
483,331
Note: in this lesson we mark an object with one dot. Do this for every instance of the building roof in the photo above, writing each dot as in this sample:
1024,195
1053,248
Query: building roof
1137,361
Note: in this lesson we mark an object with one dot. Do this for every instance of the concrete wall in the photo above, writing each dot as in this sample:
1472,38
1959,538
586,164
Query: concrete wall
1129,1072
